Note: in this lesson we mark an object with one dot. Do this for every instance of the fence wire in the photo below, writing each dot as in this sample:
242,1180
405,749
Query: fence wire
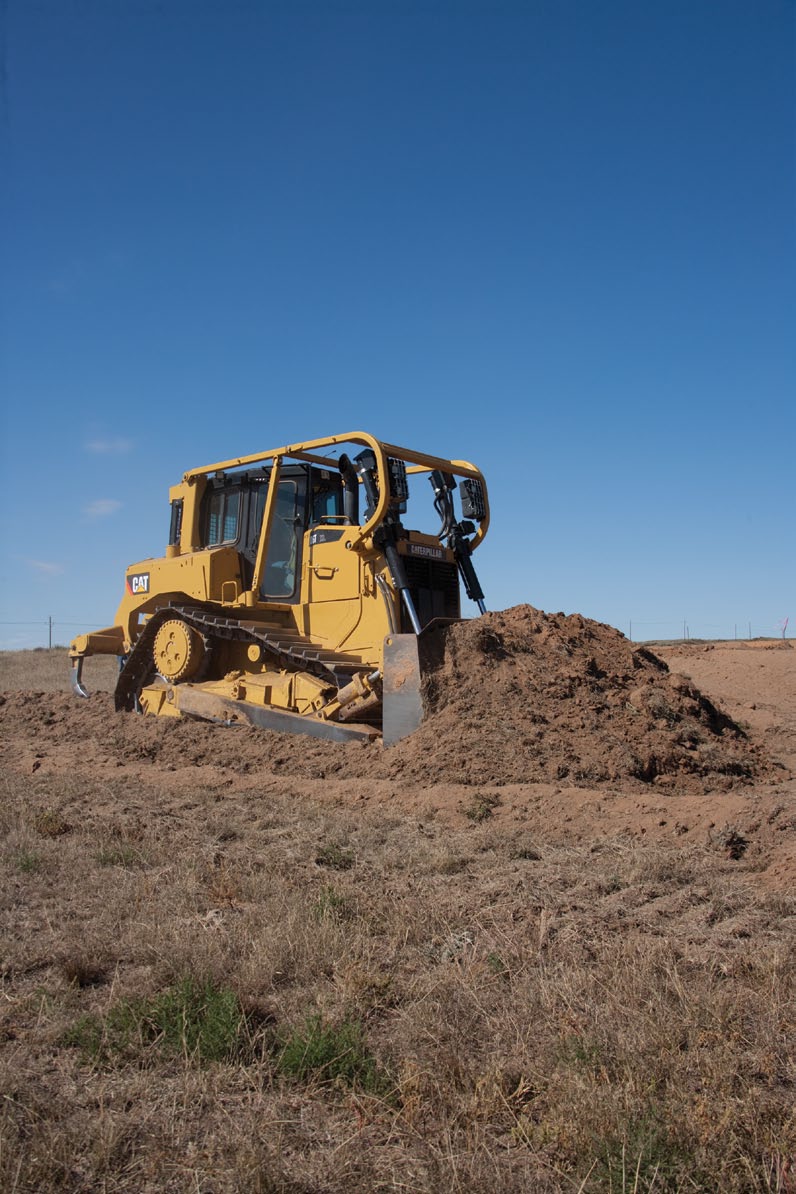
670,630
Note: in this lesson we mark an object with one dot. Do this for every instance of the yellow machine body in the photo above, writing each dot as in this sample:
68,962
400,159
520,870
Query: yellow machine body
277,603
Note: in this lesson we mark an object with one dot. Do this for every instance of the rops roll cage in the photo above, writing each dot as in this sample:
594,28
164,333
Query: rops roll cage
381,525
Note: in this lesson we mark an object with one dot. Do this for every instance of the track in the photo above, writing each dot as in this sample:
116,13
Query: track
288,649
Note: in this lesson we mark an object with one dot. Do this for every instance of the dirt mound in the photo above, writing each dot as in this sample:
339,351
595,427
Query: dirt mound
526,696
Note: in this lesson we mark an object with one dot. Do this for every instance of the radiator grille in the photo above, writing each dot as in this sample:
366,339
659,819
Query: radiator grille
434,586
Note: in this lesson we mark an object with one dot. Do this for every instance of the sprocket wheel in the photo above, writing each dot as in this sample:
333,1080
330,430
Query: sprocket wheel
178,651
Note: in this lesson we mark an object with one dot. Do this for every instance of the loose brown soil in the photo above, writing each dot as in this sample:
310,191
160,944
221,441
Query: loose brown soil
570,728
561,913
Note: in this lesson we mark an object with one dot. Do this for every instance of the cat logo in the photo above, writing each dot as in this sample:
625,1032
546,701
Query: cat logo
138,584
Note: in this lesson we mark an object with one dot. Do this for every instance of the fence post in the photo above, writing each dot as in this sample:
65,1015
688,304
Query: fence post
50,625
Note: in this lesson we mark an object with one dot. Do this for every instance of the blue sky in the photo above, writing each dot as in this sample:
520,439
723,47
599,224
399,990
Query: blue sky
554,238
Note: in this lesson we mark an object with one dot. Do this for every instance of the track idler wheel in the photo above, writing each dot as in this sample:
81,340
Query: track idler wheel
178,651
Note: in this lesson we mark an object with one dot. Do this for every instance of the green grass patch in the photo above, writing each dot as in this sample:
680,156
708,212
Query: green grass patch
581,1053
497,966
331,905
335,856
198,1020
334,1054
645,1160
119,855
28,861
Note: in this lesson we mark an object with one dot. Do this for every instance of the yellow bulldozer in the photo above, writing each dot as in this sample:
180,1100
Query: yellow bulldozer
292,596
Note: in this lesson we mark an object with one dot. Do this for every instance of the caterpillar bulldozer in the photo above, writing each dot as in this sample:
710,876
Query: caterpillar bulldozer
293,596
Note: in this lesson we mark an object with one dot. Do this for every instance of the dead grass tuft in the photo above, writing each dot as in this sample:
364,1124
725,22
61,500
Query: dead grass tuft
481,807
49,822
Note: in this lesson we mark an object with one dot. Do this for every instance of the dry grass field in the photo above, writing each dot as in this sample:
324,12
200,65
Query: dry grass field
243,962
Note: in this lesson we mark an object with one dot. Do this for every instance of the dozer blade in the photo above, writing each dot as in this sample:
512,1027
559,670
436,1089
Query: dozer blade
195,702
402,699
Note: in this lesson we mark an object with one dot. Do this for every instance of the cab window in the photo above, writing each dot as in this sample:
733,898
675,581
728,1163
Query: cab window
327,505
283,556
223,517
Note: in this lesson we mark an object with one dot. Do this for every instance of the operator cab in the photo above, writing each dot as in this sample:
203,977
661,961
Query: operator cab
232,513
